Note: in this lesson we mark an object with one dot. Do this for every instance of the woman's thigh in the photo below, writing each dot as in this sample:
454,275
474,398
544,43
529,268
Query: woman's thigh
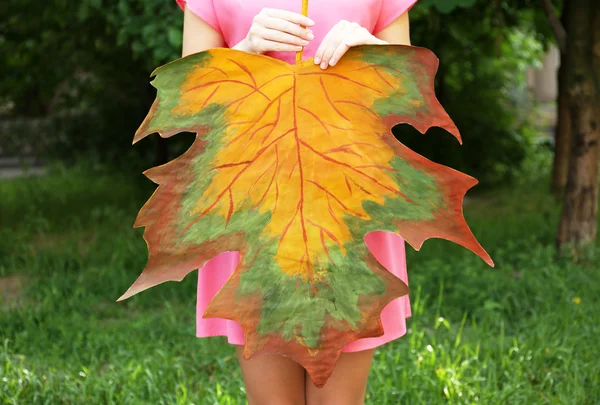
272,379
348,383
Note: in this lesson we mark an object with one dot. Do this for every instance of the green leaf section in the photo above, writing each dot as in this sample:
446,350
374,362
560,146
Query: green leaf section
416,186
169,81
387,59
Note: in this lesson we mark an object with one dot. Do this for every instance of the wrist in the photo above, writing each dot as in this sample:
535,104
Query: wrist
244,45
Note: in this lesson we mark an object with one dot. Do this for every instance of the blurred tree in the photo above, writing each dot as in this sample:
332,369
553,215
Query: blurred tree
37,56
72,63
96,55
578,223
577,146
485,50
560,166
152,31
47,44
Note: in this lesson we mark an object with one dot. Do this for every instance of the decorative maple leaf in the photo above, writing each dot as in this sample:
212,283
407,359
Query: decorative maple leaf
293,166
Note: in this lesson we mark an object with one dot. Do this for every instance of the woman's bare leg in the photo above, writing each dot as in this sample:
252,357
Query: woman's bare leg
272,379
348,383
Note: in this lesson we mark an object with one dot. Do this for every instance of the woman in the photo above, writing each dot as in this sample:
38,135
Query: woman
276,28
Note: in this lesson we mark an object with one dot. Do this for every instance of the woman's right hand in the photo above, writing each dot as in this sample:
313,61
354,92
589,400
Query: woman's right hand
275,30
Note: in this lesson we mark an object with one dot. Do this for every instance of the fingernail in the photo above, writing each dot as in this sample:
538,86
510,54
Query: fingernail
304,42
332,62
317,60
323,65
311,22
310,35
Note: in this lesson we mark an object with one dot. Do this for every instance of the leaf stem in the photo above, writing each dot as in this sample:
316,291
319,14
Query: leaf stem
305,14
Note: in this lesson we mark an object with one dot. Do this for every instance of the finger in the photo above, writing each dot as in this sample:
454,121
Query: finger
338,53
285,26
290,16
319,53
329,51
272,46
324,45
278,36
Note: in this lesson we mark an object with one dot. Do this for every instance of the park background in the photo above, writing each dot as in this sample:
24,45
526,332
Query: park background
75,88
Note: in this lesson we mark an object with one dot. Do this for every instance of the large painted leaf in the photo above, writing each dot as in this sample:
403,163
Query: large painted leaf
293,166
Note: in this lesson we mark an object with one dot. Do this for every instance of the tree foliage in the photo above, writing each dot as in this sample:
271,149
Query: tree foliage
97,55
481,82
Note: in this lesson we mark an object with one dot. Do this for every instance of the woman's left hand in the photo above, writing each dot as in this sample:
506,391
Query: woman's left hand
343,36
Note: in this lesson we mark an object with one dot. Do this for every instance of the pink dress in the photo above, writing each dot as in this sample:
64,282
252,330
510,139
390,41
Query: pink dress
233,18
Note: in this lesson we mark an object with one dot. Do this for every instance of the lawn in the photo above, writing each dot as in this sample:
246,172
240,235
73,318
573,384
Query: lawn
522,333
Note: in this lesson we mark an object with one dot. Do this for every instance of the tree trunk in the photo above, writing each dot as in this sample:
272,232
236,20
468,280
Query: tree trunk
578,222
560,166
562,137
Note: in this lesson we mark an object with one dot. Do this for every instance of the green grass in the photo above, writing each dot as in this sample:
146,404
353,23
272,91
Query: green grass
522,333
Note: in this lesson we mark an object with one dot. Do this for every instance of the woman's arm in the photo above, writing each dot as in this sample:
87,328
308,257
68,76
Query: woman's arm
198,35
398,32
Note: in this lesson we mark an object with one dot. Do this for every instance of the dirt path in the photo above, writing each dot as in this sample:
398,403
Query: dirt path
10,291
12,167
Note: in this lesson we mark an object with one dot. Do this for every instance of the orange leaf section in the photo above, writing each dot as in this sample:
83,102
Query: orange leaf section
291,131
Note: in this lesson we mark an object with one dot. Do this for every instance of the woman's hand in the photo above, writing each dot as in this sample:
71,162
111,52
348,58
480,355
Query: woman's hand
277,30
343,36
